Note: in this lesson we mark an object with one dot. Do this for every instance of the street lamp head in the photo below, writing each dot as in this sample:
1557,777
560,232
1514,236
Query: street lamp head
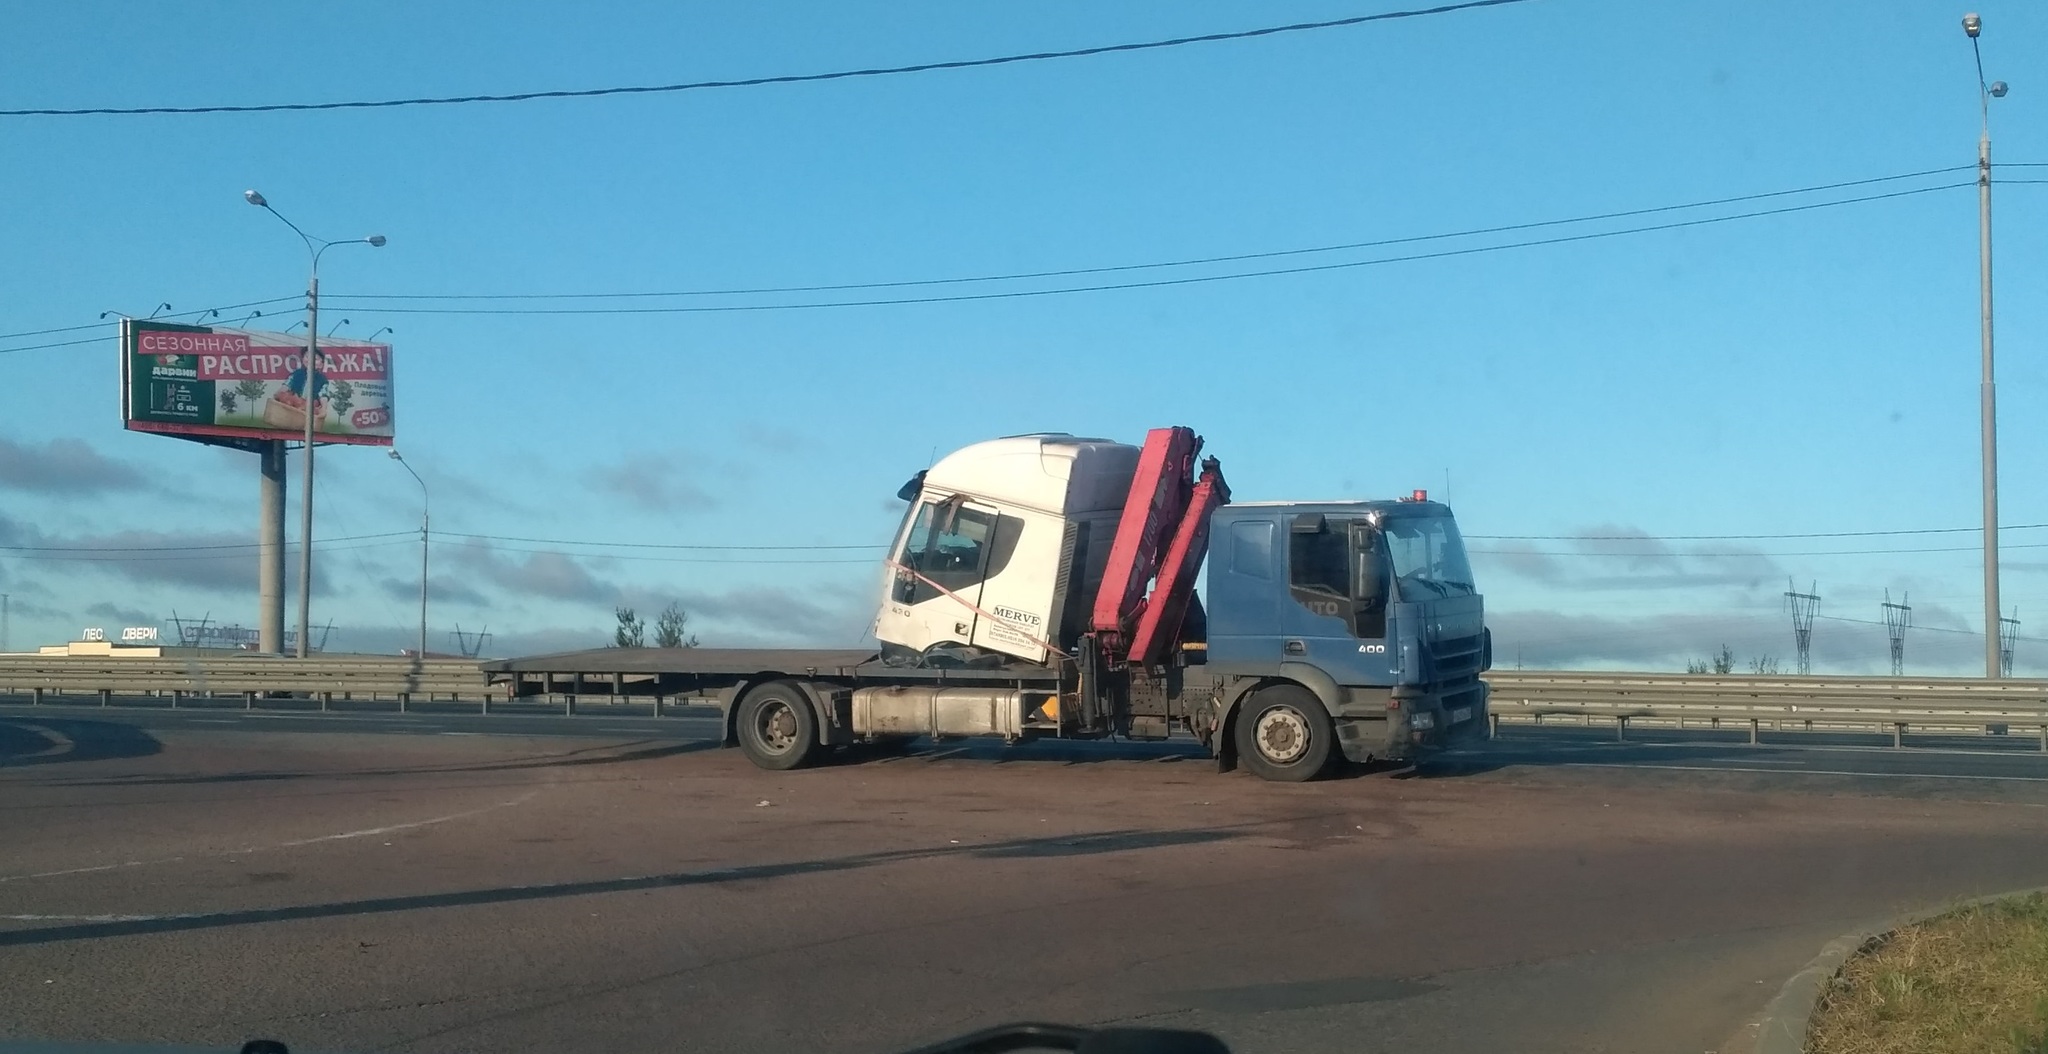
376,241
1998,89
394,454
256,199
1971,25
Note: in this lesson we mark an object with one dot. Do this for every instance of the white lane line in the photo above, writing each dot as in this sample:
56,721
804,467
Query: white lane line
365,833
1781,747
59,742
84,918
1805,772
368,831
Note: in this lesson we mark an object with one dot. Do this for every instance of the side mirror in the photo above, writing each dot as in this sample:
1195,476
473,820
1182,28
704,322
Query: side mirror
1367,586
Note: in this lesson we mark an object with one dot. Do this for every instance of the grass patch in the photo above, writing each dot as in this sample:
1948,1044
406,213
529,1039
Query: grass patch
1974,981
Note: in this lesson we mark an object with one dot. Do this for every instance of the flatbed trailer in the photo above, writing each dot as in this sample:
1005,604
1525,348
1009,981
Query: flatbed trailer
642,673
813,693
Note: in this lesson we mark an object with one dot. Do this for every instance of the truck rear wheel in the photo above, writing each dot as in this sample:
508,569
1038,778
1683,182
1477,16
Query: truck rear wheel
776,728
1284,734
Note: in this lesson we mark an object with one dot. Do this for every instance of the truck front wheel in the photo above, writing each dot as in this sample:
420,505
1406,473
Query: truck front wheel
776,728
1284,734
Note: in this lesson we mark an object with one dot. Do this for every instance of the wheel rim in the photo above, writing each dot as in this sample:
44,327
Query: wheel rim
1282,734
775,726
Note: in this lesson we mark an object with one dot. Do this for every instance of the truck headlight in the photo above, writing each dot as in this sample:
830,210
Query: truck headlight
1421,720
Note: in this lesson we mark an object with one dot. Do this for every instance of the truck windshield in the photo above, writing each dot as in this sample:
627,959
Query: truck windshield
1428,556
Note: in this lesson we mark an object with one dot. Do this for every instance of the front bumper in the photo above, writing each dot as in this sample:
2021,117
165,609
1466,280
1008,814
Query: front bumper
1419,722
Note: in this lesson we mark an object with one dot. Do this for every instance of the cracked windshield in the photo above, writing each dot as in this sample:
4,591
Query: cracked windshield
850,567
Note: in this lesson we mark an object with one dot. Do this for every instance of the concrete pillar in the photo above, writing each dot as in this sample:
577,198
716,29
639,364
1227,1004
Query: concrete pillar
270,550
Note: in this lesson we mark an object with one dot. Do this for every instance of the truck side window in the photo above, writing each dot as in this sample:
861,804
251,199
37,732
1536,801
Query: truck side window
1319,562
911,555
947,545
1251,548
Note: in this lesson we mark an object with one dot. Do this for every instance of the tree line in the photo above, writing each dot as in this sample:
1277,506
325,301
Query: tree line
1723,662
671,629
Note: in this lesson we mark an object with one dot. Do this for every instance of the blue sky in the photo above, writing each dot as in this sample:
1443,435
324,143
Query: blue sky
1811,372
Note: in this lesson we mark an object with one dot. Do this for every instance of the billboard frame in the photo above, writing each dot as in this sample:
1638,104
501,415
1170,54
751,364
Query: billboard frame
237,436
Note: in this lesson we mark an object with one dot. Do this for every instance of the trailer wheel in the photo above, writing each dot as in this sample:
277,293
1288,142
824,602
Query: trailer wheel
776,727
1284,734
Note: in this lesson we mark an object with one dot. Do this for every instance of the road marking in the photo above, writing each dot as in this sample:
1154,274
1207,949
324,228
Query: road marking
1814,748
82,918
296,843
59,742
1803,772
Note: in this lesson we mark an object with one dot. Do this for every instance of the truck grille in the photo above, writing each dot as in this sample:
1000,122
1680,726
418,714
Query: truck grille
1457,660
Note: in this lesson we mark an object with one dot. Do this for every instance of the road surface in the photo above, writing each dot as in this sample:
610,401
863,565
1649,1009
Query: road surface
446,883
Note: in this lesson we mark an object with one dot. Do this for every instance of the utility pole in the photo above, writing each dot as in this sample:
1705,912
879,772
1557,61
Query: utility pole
425,533
1804,606
1986,393
1898,618
314,247
4,599
2008,635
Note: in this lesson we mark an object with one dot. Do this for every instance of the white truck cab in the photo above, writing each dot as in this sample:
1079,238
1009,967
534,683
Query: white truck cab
986,561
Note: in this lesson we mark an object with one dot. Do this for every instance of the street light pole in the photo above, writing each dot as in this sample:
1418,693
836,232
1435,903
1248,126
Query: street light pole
426,509
314,248
1987,396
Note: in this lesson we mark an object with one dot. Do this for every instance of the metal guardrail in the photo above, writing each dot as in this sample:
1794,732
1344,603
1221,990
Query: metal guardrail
1894,705
1897,705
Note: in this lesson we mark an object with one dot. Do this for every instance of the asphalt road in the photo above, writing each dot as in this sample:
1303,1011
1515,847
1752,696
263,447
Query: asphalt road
434,883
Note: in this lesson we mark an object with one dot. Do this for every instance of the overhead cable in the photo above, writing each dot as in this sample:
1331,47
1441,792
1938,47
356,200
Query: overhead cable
362,303
752,82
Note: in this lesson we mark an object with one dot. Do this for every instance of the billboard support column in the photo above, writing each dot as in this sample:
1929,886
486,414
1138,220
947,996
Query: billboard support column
270,548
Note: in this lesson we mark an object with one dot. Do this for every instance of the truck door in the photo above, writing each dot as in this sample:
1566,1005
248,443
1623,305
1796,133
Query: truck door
1336,575
939,572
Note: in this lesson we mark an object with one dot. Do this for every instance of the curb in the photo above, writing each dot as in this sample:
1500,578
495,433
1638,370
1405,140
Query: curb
1782,1029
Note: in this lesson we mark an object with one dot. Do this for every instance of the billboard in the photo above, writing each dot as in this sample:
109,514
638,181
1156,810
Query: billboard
213,383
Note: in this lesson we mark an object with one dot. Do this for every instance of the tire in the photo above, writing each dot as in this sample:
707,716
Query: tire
1284,734
776,727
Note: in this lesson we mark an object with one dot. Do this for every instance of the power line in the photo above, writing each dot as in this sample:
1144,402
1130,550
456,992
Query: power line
752,82
1744,556
356,305
113,556
691,547
201,311
1736,537
680,559
188,548
59,344
1197,261
657,545
1075,271
1928,629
